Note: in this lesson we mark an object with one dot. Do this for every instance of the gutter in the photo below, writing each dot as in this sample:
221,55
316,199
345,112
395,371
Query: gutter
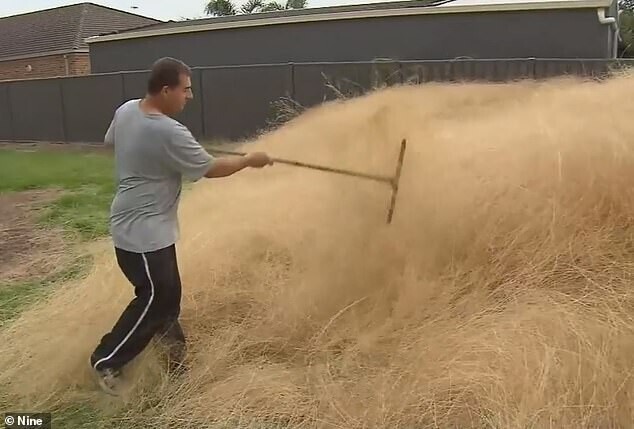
45,54
326,15
612,22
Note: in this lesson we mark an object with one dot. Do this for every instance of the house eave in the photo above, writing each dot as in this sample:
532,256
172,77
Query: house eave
44,54
357,14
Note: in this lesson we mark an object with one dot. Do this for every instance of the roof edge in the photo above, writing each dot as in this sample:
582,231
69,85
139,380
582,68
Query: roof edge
80,26
332,15
45,54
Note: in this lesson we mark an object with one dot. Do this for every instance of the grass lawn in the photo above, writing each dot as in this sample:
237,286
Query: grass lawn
86,182
86,178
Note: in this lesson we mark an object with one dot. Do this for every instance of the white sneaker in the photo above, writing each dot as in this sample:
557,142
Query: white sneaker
110,381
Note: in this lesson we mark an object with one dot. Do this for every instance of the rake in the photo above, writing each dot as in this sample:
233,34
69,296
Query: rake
393,181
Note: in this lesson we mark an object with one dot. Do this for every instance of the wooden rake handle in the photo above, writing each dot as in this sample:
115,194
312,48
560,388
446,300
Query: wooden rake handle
392,181
314,167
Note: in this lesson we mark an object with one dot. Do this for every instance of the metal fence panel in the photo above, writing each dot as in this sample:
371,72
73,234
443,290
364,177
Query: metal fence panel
135,84
491,70
238,100
551,68
511,69
385,73
308,85
6,128
415,72
192,116
37,110
545,69
319,82
89,104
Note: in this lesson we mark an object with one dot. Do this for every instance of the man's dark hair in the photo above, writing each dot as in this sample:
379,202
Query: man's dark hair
166,72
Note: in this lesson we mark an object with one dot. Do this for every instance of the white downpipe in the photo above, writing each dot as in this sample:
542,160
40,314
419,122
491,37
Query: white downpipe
612,22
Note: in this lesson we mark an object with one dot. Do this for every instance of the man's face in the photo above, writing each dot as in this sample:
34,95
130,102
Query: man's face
176,98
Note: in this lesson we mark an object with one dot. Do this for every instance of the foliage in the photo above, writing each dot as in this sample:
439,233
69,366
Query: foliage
226,7
220,8
627,32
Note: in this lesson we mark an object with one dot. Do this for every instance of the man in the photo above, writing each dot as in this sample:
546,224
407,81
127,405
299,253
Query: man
153,153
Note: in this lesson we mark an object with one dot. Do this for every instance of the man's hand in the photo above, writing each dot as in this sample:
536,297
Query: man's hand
258,160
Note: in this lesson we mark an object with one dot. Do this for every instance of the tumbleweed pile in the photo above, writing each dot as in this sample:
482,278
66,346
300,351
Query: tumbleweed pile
501,295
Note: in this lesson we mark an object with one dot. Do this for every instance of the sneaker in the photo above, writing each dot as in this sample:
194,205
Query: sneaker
109,380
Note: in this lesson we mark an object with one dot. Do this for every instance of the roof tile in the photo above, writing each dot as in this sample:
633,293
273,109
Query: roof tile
62,29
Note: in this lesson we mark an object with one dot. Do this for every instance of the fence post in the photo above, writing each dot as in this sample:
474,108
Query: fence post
123,100
63,110
292,75
201,85
11,125
452,70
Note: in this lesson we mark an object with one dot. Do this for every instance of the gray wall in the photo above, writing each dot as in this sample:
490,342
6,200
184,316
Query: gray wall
237,102
540,34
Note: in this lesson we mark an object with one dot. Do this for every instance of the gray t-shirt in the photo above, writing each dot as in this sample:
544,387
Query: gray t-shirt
153,153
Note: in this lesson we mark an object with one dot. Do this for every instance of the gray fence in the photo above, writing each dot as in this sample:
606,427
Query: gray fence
237,102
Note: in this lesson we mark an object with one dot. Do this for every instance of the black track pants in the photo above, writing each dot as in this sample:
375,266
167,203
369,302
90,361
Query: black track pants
153,312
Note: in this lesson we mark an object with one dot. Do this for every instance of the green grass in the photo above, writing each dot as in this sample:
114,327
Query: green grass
70,170
87,178
84,211
87,184
87,181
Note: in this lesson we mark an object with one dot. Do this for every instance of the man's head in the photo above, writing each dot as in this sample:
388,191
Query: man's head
170,85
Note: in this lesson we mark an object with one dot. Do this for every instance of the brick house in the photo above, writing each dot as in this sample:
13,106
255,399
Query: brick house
50,43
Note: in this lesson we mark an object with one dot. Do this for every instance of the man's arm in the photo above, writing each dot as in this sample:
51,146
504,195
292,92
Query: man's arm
185,155
223,167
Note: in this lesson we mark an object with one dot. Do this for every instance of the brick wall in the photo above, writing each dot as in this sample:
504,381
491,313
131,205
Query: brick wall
43,67
79,64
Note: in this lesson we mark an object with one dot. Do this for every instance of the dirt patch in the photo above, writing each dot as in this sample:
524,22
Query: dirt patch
28,251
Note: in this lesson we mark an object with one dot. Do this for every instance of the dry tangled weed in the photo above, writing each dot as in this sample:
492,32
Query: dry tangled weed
500,297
